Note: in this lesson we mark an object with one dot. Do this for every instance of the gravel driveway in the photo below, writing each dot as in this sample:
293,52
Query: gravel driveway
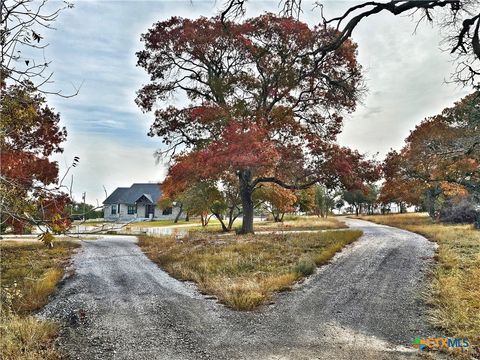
364,305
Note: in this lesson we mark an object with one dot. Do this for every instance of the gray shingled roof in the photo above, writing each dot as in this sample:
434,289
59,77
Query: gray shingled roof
115,196
123,195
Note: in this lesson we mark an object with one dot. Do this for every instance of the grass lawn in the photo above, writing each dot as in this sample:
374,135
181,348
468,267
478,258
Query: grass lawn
290,223
29,274
161,223
243,272
86,223
301,223
455,294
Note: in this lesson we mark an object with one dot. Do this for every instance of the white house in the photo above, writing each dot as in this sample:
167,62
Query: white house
138,201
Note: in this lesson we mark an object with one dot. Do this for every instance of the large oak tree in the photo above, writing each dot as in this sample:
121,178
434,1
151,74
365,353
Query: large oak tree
263,105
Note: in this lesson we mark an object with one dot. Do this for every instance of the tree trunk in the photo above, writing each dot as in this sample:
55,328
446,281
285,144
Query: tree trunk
232,217
179,214
224,228
245,178
207,218
220,219
356,210
276,216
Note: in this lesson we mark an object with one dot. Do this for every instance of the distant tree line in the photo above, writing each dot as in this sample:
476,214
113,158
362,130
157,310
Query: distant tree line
82,211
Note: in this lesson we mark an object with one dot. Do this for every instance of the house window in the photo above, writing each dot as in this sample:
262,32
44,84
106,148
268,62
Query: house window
167,211
132,209
114,209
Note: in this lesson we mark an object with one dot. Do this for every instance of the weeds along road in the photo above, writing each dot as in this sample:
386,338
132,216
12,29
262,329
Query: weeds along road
366,304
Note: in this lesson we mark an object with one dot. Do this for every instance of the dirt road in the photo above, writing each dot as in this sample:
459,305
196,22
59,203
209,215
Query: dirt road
364,305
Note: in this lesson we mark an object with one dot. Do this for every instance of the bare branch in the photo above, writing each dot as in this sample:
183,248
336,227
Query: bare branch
21,32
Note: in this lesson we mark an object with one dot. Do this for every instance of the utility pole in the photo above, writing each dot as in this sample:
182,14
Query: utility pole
83,198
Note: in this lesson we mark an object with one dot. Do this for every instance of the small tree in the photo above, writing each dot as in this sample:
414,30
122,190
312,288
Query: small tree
355,198
306,200
324,201
276,199
371,198
320,201
201,198
204,200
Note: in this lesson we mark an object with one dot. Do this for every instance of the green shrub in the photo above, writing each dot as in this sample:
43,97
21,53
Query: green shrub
305,267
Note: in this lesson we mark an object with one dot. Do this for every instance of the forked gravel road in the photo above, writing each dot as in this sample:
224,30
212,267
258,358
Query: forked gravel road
366,304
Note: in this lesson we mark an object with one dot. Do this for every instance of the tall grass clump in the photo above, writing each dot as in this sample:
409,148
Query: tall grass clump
29,274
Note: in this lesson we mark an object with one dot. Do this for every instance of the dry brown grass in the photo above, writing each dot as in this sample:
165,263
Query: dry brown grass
29,275
162,223
25,337
302,223
455,294
243,272
290,223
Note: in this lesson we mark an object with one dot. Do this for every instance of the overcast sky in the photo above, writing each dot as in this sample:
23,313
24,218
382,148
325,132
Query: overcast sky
95,44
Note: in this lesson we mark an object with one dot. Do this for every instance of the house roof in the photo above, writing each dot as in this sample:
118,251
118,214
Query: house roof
115,196
147,197
131,195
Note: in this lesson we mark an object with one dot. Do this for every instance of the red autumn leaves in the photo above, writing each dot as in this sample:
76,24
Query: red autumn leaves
264,106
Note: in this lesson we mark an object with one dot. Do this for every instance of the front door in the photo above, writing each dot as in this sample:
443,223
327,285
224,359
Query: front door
149,209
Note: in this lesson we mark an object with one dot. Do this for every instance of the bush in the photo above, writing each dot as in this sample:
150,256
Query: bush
292,218
26,337
463,212
305,267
